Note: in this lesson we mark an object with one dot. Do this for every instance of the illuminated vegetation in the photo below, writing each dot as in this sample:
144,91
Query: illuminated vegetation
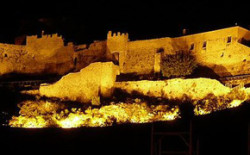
180,64
206,95
39,114
213,103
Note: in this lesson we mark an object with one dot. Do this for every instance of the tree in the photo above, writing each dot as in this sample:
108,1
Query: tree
181,63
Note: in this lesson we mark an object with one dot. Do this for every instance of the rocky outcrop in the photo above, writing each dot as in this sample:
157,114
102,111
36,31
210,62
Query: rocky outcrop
84,86
179,89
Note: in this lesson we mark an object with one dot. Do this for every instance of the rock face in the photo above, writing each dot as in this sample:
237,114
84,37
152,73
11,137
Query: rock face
175,88
84,86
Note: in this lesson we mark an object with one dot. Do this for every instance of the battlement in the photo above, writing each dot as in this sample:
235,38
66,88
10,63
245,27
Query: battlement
45,36
45,40
117,35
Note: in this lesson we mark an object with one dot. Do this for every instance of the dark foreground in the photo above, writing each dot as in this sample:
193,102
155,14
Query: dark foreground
224,132
220,133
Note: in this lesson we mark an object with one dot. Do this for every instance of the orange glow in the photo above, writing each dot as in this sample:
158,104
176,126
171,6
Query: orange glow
215,103
49,115
40,114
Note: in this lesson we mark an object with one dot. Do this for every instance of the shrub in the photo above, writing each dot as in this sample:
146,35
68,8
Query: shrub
181,63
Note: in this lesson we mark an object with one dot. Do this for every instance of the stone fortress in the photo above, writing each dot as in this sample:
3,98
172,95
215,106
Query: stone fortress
221,50
225,51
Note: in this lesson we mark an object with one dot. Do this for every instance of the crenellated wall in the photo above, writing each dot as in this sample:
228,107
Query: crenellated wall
117,47
219,50
226,51
44,55
48,54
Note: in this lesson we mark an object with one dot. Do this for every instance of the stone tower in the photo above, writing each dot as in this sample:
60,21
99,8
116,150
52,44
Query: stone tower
117,47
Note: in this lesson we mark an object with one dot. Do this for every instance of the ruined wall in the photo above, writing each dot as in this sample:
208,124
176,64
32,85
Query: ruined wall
48,55
85,55
45,55
144,57
9,57
84,86
140,57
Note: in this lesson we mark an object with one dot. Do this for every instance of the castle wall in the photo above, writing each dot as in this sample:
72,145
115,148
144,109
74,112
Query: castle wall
85,56
219,50
144,56
44,42
45,55
224,57
9,55
47,45
85,86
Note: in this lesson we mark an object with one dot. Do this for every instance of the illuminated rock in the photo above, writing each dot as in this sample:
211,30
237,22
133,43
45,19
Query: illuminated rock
40,114
84,86
206,95
175,88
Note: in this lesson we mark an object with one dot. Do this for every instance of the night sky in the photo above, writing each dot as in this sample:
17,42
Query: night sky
83,22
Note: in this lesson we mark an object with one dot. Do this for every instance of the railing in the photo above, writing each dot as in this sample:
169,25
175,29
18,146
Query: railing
25,84
237,77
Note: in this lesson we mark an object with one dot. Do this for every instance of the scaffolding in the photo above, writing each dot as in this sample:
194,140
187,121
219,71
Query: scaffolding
181,140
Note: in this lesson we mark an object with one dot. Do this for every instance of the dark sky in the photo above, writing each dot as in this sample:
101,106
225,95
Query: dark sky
84,21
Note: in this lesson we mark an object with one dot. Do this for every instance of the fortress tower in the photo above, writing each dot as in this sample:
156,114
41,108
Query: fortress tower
117,47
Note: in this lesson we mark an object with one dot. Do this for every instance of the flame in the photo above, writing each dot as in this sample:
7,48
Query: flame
47,115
